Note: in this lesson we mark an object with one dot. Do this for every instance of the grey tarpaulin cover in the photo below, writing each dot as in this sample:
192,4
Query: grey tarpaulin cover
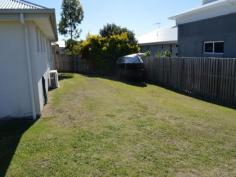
133,58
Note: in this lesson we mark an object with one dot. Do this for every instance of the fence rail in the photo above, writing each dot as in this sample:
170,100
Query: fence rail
211,78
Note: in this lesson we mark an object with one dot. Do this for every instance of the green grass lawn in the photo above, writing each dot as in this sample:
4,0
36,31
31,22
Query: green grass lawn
99,127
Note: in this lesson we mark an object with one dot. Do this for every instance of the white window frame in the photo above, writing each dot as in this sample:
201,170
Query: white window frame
41,42
212,42
38,40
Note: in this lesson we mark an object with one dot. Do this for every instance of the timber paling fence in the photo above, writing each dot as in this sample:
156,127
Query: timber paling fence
213,79
73,64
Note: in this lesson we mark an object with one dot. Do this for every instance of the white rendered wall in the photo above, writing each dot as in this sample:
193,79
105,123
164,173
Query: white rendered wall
15,99
14,87
40,63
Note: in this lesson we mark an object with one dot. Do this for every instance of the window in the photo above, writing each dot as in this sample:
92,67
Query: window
209,47
170,48
219,47
41,42
38,40
214,47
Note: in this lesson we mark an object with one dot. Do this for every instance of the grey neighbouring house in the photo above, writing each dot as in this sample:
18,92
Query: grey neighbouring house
160,40
208,31
26,33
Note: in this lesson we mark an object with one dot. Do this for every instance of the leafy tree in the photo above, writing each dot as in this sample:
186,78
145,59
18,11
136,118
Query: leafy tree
164,54
72,47
103,52
71,16
113,29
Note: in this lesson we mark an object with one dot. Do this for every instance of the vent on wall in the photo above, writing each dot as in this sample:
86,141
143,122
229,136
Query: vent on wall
207,1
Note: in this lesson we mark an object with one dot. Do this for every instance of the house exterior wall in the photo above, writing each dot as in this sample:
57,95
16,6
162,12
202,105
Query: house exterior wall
155,48
41,63
191,36
15,88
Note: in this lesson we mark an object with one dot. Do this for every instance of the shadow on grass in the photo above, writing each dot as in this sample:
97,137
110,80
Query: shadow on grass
198,96
187,93
64,76
11,132
133,82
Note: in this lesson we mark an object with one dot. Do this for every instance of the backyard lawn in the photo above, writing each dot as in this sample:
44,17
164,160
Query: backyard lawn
100,127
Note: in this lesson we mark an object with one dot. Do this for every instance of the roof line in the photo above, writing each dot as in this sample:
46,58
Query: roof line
27,11
163,42
31,3
197,9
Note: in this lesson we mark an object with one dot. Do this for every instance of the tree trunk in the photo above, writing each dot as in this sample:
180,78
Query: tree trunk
71,33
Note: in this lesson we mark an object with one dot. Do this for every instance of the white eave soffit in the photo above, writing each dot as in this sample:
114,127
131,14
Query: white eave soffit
43,21
215,9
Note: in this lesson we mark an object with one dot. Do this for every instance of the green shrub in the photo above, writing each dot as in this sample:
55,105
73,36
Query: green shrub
163,54
112,29
103,52
72,47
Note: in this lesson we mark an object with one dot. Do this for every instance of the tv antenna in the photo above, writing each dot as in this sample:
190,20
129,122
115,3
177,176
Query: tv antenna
158,24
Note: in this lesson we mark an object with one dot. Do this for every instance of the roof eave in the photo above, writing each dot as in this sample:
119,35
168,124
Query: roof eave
158,43
54,25
198,10
50,12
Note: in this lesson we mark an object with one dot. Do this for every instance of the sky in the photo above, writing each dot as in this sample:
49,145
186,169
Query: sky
140,16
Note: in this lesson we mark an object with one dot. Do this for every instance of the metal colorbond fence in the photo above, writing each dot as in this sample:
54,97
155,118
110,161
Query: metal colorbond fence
210,78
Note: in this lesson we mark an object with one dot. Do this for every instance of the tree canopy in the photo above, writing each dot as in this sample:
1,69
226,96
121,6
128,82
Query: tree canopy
103,52
71,16
113,29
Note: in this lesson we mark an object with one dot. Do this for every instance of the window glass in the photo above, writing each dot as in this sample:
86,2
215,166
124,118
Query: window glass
41,42
219,47
38,40
208,47
170,48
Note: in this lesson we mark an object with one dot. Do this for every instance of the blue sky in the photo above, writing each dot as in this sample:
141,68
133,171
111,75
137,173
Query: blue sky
137,15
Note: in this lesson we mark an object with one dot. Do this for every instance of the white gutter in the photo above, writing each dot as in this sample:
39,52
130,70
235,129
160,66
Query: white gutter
205,8
29,66
50,12
158,43
199,9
